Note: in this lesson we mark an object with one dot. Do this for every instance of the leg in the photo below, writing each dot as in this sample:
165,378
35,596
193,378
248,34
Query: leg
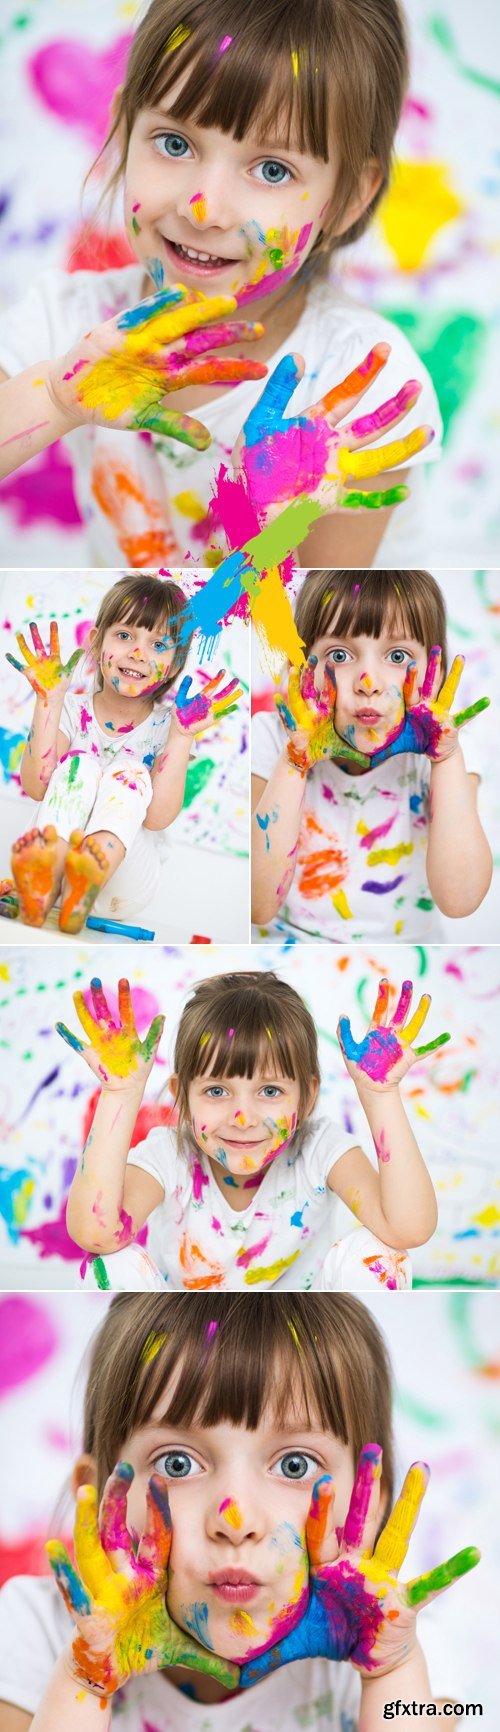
360,1262
129,1271
123,797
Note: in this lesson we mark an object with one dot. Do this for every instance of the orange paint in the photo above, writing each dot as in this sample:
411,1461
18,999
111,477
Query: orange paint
140,522
199,1274
321,870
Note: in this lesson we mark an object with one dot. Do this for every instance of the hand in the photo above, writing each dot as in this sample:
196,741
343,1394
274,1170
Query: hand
385,1054
357,1609
428,725
283,458
194,715
123,371
116,1595
308,718
47,674
116,1055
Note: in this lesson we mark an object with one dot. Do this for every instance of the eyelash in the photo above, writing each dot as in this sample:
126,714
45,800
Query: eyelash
331,654
157,138
211,1096
164,1456
158,645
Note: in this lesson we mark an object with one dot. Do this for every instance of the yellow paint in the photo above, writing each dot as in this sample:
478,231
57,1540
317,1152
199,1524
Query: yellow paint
274,623
242,1624
232,1514
398,928
391,1548
341,904
253,1276
4,971
152,1346
363,464
422,1112
489,1217
189,505
389,856
293,1332
111,383
177,37
419,203
295,63
199,208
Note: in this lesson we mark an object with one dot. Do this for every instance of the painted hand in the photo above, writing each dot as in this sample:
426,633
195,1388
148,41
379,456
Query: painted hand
281,459
116,1055
47,674
194,715
428,725
123,371
116,1594
308,718
357,1609
385,1053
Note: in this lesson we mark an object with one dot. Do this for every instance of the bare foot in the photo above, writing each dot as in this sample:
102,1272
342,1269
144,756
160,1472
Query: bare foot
34,865
9,900
86,869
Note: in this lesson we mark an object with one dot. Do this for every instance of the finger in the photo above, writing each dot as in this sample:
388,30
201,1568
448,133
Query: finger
374,501
447,693
232,690
17,665
170,315
168,422
267,415
421,1051
365,463
75,1596
76,657
403,1004
473,710
392,1546
319,1521
36,639
285,714
156,1541
425,1588
125,1007
85,1016
115,1537
26,652
135,318
182,698
409,684
101,1007
351,1048
232,331
432,671
342,398
96,1571
413,1027
365,1492
366,428
212,684
71,1039
300,709
308,686
151,1043
54,639
382,1001
215,370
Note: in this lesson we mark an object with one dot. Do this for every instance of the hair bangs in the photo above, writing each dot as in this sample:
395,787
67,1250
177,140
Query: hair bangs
370,603
247,1044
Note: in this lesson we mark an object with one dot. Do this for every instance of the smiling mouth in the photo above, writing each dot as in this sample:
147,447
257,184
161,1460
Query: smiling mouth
255,1143
132,674
201,260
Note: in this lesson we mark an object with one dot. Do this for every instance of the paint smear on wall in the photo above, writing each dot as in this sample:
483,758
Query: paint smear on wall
419,204
43,491
28,1339
77,83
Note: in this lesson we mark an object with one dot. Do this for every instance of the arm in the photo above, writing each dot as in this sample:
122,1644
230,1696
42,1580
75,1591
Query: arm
408,1682
168,776
398,1202
65,1703
274,844
459,860
190,717
45,745
14,1719
108,1202
30,418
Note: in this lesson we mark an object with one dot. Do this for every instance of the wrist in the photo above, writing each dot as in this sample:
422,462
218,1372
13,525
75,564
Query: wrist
67,419
72,1670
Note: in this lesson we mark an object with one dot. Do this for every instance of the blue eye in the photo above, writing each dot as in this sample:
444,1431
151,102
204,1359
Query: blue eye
177,1464
215,1092
399,656
295,1465
175,144
273,173
271,1090
337,656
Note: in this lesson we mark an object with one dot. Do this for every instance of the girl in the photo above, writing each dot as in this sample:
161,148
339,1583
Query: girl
253,1425
244,1196
364,807
110,769
267,135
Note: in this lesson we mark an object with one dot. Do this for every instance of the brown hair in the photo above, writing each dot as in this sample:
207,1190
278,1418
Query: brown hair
153,603
235,1022
364,603
322,1352
333,61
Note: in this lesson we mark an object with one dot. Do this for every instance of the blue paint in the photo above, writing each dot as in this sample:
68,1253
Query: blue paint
11,751
156,272
416,801
71,1039
267,415
197,1621
65,1573
296,1220
380,1048
134,316
13,1208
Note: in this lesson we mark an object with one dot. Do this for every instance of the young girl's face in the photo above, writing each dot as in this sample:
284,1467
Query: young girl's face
239,1501
369,676
135,661
218,215
242,1122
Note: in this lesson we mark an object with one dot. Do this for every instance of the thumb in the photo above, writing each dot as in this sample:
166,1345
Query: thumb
351,1048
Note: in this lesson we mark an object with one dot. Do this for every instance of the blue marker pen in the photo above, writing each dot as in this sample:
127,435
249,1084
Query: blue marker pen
117,926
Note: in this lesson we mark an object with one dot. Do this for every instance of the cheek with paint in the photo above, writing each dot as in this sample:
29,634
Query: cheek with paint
275,255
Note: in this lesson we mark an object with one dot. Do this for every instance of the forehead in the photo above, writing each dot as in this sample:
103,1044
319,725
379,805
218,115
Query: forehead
276,123
263,1069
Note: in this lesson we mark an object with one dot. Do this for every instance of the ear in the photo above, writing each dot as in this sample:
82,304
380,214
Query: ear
173,1083
115,103
369,183
84,1473
313,1096
91,638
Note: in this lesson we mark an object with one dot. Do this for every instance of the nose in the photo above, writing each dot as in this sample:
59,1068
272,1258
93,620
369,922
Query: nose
366,680
206,203
236,1515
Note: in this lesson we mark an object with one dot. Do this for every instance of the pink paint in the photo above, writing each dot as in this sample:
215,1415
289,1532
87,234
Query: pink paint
244,1258
98,1211
77,83
43,491
224,45
199,1180
369,1469
285,464
28,1339
126,1230
52,1238
24,435
378,830
275,279
217,1228
85,720
383,1152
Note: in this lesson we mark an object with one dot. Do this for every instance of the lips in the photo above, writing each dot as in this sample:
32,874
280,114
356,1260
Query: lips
131,674
197,261
368,718
231,1143
235,1587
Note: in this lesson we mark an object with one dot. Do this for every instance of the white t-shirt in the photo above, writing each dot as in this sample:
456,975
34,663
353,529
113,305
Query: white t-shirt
361,859
333,333
86,734
198,1240
35,1627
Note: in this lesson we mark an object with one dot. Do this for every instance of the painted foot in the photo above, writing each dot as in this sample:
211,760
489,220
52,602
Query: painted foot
86,869
9,900
34,867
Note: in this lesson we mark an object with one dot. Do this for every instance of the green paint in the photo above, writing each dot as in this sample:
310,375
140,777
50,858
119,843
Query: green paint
74,768
441,1577
198,774
425,902
421,1051
100,1275
374,501
419,1414
439,30
422,960
473,710
451,345
273,544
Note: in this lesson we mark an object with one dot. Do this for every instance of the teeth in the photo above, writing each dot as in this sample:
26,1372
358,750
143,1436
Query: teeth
202,258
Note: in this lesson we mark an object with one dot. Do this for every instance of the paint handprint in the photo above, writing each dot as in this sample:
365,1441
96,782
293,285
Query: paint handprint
46,673
308,718
428,725
123,371
116,1594
385,1053
281,459
204,709
357,1608
115,1055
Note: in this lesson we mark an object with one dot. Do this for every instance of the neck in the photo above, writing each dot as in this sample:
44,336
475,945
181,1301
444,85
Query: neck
110,706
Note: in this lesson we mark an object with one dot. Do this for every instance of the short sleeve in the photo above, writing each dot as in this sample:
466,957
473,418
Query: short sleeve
267,743
34,1630
158,1155
323,1145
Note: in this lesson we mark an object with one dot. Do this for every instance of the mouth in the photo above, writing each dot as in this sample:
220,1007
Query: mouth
132,674
368,718
234,1586
197,262
231,1143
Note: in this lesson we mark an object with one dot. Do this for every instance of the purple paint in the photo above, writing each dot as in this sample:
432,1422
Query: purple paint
378,889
